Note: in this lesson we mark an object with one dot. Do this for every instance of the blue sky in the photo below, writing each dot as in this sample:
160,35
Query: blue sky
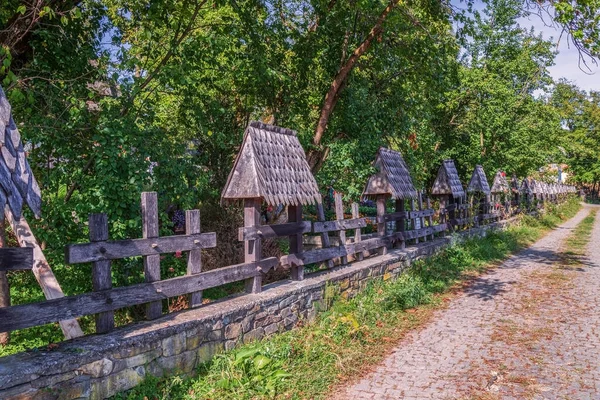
566,62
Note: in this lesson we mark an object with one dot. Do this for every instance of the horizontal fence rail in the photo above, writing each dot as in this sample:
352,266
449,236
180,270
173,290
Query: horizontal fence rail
408,221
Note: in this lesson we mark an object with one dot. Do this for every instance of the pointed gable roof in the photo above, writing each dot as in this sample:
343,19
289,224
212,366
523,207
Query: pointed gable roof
271,164
515,185
500,184
392,177
447,181
478,181
17,183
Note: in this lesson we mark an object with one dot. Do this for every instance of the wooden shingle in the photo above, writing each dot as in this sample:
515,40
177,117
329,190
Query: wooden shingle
500,184
392,177
271,165
478,181
447,181
16,179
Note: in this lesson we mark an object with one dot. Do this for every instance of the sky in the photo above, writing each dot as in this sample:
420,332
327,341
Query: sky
566,62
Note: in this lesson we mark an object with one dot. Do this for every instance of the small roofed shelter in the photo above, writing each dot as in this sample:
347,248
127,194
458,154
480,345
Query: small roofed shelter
392,180
271,166
392,177
447,182
500,184
480,190
18,187
478,182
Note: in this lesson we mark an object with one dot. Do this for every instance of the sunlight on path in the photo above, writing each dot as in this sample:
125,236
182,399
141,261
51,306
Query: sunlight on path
527,329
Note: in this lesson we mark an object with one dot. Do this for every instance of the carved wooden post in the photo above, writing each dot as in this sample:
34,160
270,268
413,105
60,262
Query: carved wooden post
401,222
430,218
252,248
339,215
194,257
381,221
4,287
444,216
422,219
414,220
101,274
325,235
357,233
151,263
295,215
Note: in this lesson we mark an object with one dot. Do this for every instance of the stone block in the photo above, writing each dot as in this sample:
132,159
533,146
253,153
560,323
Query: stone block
115,383
183,362
174,345
247,323
208,351
233,331
137,360
271,329
20,392
230,345
51,380
254,335
97,369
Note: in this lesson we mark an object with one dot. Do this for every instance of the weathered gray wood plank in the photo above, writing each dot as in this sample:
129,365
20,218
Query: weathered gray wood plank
270,231
16,258
113,250
101,274
339,215
41,269
381,200
295,216
357,231
324,235
252,248
332,226
28,315
194,257
151,262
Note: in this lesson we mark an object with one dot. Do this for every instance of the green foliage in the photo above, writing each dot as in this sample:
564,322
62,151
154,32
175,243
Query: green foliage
346,337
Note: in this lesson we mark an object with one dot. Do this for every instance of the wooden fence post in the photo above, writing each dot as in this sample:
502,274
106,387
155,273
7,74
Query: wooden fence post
101,273
381,221
252,248
357,233
422,219
325,235
4,287
295,215
401,222
430,218
339,215
194,257
151,263
414,220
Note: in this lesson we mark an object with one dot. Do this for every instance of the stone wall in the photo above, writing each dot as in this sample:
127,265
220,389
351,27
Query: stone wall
98,366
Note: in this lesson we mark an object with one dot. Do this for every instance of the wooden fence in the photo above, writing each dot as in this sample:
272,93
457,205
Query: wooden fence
413,223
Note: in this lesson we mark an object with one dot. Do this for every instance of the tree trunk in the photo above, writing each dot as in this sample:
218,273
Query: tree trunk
316,156
4,288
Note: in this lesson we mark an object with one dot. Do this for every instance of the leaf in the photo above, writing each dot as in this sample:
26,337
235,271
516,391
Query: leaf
261,361
21,9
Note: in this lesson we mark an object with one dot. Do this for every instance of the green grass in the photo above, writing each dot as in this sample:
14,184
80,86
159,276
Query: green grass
578,239
350,335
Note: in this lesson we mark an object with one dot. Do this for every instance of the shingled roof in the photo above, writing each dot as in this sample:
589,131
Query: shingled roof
447,181
392,177
515,185
478,181
271,164
500,184
527,186
17,183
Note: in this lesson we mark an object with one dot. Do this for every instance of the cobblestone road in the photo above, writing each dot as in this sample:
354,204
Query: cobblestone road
529,329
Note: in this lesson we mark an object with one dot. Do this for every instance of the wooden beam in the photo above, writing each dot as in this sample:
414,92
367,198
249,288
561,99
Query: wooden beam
16,258
151,262
381,199
333,226
194,258
295,216
101,273
33,314
41,270
4,286
113,250
357,232
252,248
339,215
324,235
270,231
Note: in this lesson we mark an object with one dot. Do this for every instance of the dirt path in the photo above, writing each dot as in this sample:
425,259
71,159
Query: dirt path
528,329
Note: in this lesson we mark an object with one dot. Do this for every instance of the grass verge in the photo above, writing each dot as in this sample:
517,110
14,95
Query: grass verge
351,335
